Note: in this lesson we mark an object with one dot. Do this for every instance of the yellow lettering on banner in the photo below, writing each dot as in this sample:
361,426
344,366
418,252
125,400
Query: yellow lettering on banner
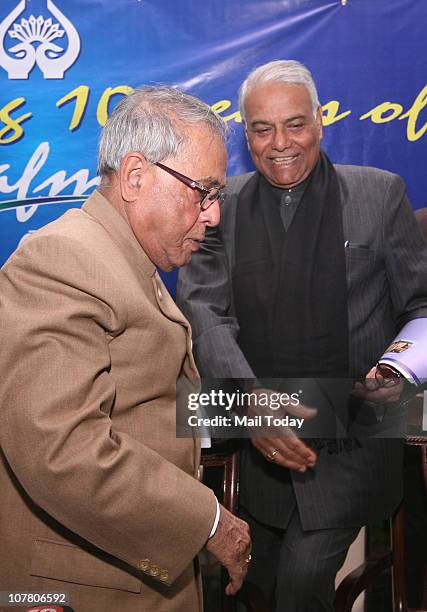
412,116
236,116
102,110
331,109
81,94
223,105
384,112
10,124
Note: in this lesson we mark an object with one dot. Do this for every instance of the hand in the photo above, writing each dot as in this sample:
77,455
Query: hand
284,448
231,545
287,450
373,391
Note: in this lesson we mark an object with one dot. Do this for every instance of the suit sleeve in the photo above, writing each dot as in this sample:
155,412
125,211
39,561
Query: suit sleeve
204,293
58,433
405,255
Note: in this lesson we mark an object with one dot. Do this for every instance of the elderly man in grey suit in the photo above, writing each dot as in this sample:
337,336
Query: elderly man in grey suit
312,271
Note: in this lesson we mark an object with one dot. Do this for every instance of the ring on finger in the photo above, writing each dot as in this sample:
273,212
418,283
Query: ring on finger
271,456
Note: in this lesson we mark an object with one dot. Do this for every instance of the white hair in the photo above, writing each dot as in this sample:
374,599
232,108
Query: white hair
152,121
280,71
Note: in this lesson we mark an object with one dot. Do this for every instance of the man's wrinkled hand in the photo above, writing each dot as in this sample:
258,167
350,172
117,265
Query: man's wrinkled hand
231,545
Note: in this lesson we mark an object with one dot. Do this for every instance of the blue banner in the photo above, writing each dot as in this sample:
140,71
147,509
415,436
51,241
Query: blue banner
64,64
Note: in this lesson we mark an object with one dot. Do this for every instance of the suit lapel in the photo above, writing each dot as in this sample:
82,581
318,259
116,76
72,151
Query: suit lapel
228,214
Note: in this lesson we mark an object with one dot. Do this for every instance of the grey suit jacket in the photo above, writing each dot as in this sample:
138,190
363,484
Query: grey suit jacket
387,286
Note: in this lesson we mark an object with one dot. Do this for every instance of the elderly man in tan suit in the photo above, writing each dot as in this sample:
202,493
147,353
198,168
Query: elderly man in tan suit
99,499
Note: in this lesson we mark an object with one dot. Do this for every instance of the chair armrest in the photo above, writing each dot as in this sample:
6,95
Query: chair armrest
360,578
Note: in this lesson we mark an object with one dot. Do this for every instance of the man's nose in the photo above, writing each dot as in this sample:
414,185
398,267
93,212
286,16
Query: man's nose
281,139
211,215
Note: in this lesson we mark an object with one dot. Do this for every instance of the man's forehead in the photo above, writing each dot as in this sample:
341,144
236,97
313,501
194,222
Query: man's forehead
281,87
274,96
208,151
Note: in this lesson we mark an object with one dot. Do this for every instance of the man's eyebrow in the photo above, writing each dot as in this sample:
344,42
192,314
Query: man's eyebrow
211,182
257,122
260,122
294,118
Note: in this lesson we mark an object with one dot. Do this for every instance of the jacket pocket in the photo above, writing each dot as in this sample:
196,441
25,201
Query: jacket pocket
360,264
359,251
68,563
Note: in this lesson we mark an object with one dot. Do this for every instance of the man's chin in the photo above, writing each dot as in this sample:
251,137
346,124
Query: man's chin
181,261
285,180
188,257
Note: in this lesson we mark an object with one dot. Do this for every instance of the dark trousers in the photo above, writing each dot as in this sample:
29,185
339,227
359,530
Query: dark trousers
415,527
296,569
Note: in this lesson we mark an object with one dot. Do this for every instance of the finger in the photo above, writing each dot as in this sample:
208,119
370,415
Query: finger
297,466
244,546
289,455
358,390
290,449
372,392
264,445
385,394
372,384
233,586
299,448
372,372
288,462
301,411
285,457
393,399
236,578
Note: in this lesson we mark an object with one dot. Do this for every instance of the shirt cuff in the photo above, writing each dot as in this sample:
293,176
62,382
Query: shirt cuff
216,521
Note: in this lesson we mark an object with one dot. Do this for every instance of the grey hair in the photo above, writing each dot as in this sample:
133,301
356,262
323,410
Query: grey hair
281,71
152,121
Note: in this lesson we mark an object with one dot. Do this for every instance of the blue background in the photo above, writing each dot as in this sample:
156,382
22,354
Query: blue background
361,53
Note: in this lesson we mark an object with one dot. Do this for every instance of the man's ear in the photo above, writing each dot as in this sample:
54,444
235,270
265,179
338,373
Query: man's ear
319,121
131,174
246,134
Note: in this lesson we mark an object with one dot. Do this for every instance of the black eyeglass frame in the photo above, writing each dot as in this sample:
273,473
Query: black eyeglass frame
208,197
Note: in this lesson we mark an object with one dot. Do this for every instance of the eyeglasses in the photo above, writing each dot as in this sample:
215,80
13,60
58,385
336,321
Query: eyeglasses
208,196
386,376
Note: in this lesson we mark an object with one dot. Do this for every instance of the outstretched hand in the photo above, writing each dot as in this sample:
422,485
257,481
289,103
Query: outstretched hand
280,444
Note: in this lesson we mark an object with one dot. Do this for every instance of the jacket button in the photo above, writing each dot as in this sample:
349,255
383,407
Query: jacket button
144,565
154,570
164,575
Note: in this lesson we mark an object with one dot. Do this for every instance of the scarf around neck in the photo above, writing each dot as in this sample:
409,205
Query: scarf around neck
289,288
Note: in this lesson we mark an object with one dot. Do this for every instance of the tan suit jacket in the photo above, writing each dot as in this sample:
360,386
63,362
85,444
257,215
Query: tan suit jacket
98,496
